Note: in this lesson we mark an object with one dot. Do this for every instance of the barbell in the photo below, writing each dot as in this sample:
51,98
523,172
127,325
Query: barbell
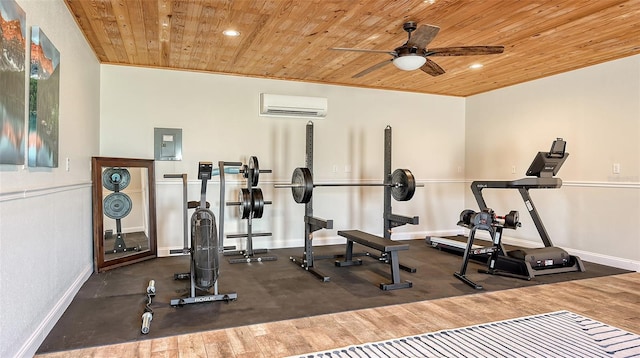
403,185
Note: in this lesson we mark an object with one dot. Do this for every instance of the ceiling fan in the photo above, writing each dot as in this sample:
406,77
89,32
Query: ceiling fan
414,53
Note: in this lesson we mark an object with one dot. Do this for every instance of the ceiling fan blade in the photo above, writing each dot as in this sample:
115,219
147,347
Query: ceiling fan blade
372,68
392,53
432,68
464,51
423,36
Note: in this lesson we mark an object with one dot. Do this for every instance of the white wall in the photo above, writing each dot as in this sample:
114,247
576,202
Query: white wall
219,118
597,111
45,214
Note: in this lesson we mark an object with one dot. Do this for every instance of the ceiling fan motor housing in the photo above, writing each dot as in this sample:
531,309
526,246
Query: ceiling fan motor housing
410,26
406,50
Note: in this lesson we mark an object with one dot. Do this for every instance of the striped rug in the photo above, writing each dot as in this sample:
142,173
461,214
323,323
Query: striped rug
556,334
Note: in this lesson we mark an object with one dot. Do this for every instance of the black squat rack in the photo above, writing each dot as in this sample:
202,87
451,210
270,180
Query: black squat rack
312,223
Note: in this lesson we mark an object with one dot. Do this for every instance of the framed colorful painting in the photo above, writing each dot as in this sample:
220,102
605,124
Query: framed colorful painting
13,41
44,101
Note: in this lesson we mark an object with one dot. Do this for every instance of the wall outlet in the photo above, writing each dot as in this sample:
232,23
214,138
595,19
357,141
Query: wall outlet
513,169
67,162
616,168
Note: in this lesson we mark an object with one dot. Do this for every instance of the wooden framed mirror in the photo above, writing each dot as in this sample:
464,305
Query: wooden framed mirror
124,211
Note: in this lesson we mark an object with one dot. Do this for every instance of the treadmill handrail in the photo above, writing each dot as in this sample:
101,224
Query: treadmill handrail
526,183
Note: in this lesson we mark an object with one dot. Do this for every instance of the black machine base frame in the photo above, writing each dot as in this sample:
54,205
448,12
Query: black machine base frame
205,298
248,258
119,245
512,263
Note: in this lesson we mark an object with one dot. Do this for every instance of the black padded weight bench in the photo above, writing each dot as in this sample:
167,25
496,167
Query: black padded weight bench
389,254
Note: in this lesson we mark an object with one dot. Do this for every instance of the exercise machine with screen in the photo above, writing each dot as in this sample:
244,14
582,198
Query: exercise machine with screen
526,263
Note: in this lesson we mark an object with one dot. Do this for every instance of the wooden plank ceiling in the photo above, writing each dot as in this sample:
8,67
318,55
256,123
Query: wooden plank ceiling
291,39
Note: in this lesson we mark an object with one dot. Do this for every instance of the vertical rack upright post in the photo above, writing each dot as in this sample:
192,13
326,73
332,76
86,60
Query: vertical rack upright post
311,223
390,219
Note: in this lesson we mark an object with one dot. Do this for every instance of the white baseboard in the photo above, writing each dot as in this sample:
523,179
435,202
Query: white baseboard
625,264
420,235
612,261
33,342
336,240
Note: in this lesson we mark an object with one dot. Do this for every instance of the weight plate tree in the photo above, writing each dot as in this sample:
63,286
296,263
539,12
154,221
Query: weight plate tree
250,206
117,205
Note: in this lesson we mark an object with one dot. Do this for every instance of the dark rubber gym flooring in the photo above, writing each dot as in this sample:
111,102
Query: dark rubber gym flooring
109,306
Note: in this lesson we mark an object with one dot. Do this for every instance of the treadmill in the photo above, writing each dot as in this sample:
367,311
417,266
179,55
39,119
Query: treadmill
525,263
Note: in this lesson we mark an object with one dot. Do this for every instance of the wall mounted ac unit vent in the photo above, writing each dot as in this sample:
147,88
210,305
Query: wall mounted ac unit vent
275,105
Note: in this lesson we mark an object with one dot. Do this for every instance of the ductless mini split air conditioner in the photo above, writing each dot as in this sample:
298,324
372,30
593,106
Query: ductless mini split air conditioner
275,105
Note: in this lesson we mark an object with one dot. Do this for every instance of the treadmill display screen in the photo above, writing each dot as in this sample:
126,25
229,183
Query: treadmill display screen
547,164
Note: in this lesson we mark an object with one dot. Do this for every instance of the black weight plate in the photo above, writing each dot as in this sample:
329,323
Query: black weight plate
116,176
512,218
117,205
465,216
255,169
403,185
244,198
302,188
257,203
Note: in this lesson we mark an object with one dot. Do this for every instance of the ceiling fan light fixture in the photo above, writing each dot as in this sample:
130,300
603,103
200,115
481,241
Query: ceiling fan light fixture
409,62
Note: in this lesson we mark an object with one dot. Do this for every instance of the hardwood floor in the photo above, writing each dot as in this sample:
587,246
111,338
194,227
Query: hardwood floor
614,300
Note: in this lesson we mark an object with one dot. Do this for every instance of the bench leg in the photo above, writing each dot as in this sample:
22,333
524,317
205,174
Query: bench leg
395,274
348,257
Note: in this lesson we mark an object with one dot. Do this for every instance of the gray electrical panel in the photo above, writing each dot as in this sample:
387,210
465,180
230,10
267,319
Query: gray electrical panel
167,143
